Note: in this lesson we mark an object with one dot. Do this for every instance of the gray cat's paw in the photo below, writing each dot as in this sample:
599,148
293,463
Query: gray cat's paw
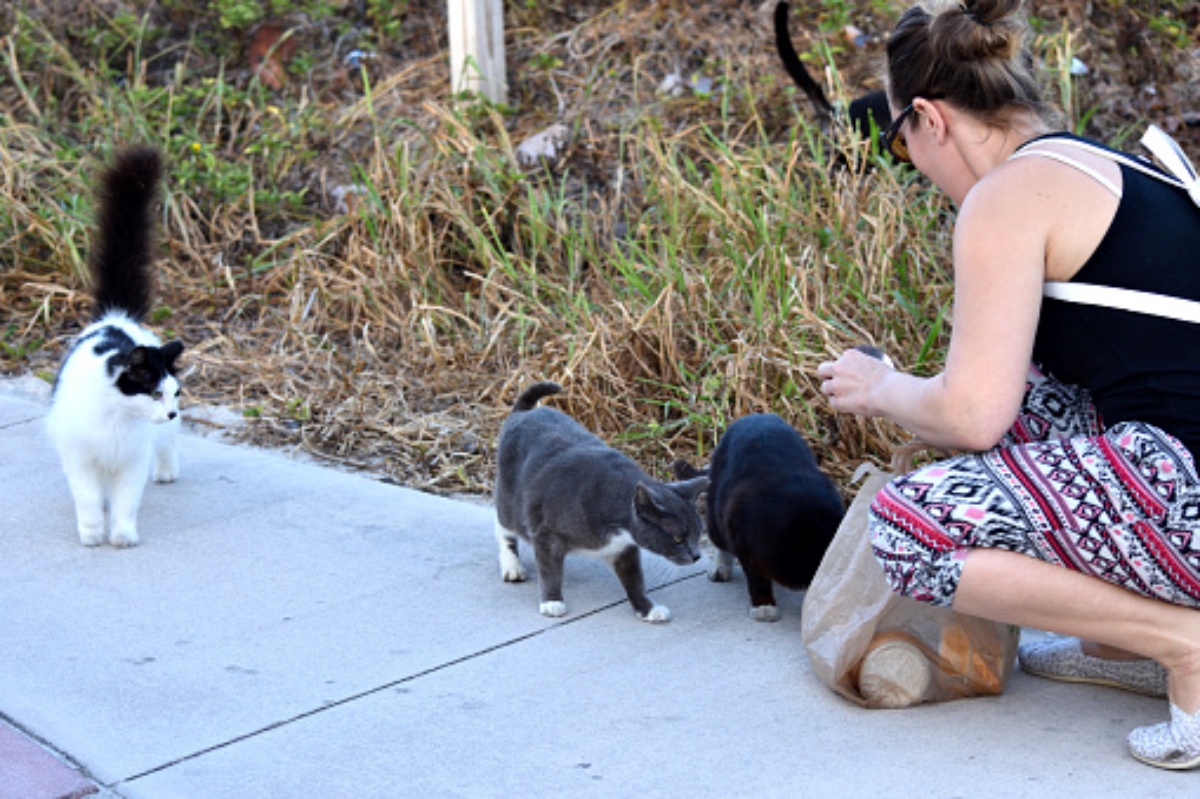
553,609
765,613
658,614
721,573
512,572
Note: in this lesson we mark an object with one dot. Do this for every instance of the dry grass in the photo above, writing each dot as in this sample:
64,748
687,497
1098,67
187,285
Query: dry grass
687,260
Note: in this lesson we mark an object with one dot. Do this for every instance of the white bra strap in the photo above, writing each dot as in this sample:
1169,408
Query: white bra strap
1180,172
1124,299
1069,161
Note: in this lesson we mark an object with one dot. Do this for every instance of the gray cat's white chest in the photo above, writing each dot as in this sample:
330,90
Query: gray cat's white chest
615,546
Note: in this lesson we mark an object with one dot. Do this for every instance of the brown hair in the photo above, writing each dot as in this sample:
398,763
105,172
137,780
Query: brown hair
971,54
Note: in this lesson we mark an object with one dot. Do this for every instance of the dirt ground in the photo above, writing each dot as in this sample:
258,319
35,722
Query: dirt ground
1136,62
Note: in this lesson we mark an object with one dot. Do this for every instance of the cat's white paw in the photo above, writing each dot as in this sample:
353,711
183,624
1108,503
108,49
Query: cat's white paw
657,615
124,538
511,569
166,475
721,573
765,613
553,609
166,466
91,536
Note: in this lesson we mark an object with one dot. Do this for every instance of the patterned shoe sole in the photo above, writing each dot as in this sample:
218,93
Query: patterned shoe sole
1091,680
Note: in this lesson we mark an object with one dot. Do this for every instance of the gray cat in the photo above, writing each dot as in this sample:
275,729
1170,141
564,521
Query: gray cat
564,490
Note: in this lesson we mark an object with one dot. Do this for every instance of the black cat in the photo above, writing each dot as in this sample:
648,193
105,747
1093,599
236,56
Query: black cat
861,111
770,505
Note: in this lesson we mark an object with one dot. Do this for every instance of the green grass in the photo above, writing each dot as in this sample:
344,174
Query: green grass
688,260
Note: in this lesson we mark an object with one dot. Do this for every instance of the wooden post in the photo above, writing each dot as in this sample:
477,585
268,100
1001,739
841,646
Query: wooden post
477,48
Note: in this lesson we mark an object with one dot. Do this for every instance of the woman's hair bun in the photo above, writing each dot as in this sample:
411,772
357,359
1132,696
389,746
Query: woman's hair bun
989,12
970,52
978,30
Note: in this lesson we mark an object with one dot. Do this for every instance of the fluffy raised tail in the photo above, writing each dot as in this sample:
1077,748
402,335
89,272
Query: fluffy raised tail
530,396
124,247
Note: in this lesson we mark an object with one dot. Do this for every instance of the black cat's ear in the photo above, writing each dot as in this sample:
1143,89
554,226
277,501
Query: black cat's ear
690,489
686,471
171,352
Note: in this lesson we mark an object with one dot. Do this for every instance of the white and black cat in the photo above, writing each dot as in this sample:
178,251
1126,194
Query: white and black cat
564,490
770,505
115,407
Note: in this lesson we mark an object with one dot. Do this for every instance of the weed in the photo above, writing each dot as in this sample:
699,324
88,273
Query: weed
361,263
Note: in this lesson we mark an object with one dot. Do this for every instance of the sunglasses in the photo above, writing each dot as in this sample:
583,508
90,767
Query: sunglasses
892,140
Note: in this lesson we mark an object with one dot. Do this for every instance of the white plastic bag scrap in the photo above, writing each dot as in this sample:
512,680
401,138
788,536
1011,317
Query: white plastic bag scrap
542,146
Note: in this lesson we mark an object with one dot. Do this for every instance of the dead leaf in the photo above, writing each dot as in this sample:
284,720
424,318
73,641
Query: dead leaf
270,50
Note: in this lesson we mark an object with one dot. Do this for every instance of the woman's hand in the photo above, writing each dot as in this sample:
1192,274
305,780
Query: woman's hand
851,382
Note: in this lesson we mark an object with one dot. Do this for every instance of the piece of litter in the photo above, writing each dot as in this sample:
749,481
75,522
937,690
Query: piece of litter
544,145
672,85
702,84
342,197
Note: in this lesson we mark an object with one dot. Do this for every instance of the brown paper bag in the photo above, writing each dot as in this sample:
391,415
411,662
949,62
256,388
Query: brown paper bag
880,649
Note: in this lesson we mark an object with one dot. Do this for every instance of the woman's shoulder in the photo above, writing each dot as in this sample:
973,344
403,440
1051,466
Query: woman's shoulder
1064,154
1060,202
1045,169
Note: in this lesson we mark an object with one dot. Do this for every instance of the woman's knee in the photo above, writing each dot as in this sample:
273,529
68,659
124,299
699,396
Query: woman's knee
912,567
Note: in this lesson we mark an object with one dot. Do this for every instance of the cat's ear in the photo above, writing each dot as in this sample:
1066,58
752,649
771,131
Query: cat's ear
136,358
686,471
171,352
134,367
690,489
645,503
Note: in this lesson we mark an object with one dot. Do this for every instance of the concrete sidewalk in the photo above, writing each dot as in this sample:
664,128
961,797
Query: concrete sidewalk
290,630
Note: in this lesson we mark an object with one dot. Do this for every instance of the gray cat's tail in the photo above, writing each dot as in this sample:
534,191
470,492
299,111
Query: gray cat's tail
530,396
124,248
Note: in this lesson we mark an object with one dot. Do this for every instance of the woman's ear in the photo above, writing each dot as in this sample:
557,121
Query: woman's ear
933,117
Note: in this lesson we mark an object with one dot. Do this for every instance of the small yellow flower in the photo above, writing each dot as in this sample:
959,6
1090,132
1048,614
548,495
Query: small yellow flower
195,146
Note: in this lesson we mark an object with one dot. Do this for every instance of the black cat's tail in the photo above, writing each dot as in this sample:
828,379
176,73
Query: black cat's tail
862,111
794,66
530,396
124,248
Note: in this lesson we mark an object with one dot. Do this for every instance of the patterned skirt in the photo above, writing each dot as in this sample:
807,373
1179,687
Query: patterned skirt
1121,503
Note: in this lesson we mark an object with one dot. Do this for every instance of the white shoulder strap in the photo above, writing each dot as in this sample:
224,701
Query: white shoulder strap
1180,171
1171,156
1124,299
1182,174
1042,152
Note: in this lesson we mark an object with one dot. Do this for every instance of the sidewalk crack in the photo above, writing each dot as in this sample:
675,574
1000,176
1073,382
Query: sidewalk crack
388,686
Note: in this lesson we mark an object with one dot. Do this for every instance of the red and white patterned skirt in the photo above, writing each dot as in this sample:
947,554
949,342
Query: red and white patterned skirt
1121,503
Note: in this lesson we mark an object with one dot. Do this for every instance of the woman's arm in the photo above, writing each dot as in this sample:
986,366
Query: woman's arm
999,268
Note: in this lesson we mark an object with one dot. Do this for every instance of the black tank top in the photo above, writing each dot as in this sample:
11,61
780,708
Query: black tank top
1138,367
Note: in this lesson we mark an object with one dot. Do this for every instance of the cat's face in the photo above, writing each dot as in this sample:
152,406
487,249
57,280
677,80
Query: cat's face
148,382
667,521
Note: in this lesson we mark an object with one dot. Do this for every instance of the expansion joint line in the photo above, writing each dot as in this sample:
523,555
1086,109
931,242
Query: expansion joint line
386,686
